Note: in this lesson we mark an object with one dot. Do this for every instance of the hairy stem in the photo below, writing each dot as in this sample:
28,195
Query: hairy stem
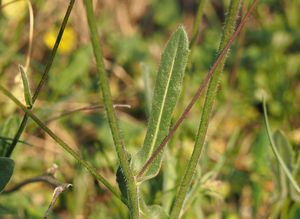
208,104
43,79
133,201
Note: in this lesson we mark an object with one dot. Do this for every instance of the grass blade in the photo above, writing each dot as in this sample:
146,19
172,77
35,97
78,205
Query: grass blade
275,151
166,93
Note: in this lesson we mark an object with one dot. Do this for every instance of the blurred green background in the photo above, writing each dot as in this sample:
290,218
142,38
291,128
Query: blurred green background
265,59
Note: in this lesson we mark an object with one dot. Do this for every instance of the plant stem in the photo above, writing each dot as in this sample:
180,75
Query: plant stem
43,79
199,91
197,23
66,147
133,201
195,33
209,100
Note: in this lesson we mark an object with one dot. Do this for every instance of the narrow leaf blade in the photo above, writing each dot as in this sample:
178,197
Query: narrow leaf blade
6,171
166,93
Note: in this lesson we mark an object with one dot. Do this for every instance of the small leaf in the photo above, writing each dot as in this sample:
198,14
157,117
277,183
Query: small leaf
121,180
121,183
6,171
27,93
166,93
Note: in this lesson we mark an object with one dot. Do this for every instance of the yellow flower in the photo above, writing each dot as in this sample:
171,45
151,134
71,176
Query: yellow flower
15,10
68,41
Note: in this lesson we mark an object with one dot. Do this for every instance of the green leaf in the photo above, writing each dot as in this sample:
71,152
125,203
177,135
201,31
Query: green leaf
6,171
27,93
166,93
276,152
121,180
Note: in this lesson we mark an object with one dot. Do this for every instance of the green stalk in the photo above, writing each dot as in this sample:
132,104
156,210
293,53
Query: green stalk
73,153
133,201
195,33
43,79
196,26
208,104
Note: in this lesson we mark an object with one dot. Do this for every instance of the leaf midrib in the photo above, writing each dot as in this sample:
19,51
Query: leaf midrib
164,99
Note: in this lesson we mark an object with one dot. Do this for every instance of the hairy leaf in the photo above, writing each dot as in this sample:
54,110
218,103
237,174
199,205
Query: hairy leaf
120,178
166,92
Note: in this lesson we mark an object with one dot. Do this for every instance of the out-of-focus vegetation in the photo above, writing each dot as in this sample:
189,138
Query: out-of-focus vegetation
238,175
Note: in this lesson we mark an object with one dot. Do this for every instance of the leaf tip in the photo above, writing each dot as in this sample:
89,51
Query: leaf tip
183,34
